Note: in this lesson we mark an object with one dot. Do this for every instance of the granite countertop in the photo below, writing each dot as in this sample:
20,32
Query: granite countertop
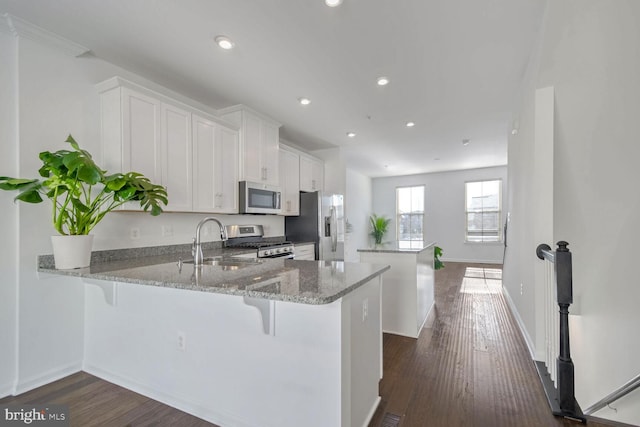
306,282
394,247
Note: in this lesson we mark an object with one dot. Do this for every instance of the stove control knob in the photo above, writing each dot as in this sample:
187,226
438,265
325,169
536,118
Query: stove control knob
267,252
278,250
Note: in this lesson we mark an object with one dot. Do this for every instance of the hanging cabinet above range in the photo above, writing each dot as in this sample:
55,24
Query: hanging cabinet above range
259,142
192,153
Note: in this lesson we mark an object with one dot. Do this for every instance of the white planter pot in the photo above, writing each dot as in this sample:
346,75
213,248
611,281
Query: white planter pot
72,251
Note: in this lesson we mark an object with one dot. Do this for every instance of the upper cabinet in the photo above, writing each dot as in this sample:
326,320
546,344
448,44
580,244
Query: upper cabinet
290,182
193,154
215,149
176,155
311,174
259,135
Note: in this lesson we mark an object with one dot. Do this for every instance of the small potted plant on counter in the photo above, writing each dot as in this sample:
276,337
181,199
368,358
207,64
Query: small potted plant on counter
81,194
379,225
437,253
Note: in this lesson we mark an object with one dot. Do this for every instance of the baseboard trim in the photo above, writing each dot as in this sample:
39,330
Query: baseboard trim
47,377
6,390
168,399
607,422
527,338
372,411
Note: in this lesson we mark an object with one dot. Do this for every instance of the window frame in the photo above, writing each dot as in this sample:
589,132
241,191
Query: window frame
499,211
409,242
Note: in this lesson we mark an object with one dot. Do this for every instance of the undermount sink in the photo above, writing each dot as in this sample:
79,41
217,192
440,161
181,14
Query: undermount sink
226,263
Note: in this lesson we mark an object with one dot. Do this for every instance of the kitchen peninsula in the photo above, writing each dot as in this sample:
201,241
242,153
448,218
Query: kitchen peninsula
274,342
408,288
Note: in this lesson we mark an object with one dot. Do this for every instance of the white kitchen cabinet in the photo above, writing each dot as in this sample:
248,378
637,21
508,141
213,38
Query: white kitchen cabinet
193,154
311,174
130,134
177,158
259,154
289,182
215,160
305,251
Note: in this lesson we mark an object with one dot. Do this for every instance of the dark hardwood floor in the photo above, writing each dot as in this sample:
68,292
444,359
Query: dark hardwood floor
469,367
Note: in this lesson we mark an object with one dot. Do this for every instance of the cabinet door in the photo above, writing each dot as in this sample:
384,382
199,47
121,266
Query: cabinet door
305,252
204,141
226,170
270,153
141,127
252,148
215,159
140,145
311,174
289,182
177,158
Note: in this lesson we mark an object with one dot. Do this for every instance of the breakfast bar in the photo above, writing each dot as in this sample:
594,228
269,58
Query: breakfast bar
408,289
257,343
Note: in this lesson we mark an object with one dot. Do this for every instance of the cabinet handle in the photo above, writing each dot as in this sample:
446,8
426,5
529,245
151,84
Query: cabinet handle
313,184
264,174
288,205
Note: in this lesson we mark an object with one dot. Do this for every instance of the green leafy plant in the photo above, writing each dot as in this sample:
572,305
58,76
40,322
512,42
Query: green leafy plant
379,225
437,253
81,192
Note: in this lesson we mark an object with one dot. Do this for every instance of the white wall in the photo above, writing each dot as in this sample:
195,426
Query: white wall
55,96
8,215
591,56
357,210
444,210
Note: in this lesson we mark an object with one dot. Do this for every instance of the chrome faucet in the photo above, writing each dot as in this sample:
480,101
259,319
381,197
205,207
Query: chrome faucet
196,247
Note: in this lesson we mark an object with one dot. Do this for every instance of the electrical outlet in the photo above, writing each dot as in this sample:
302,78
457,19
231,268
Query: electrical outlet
167,231
182,341
521,289
134,233
365,309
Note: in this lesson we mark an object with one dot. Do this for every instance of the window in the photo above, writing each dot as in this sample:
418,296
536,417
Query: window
410,216
483,211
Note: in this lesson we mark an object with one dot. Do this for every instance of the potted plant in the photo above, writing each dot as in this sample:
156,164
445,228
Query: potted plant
437,253
82,194
379,225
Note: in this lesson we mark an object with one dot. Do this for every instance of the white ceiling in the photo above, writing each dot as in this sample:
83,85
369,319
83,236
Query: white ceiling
455,67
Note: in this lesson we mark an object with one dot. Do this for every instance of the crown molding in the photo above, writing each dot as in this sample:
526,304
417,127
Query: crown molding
21,28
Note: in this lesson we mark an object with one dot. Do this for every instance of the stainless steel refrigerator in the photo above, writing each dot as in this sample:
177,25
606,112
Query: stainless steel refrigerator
321,221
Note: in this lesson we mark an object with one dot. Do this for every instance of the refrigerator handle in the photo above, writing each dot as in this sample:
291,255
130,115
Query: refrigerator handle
334,229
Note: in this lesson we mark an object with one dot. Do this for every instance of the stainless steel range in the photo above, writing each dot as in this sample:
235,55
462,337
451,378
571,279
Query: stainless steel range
252,236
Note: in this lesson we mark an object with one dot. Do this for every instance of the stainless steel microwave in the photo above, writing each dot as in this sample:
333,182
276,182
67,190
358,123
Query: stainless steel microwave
256,198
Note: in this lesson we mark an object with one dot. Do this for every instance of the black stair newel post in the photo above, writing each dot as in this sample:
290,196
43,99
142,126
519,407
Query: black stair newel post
566,387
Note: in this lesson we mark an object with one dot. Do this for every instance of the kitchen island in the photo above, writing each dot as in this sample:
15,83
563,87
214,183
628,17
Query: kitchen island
408,288
273,343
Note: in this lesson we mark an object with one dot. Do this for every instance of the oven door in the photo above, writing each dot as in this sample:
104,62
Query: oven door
287,255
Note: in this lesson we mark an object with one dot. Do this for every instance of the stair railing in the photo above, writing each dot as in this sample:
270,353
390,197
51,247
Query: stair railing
622,391
557,375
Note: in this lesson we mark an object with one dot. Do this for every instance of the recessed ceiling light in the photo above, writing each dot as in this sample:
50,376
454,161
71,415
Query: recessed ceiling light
224,42
383,81
333,3
410,124
465,142
351,134
304,101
